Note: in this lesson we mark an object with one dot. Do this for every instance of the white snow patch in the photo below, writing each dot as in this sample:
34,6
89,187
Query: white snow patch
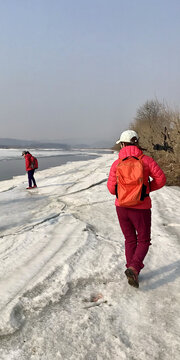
60,247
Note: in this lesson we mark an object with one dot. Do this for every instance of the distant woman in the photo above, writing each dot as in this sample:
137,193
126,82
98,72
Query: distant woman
29,159
134,206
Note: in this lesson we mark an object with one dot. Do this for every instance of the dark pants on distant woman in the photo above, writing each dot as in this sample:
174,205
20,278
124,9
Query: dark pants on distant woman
31,178
136,227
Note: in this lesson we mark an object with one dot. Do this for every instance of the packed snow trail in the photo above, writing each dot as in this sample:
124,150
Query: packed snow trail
60,246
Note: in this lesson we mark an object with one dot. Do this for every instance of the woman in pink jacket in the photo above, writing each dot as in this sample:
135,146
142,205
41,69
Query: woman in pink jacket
135,220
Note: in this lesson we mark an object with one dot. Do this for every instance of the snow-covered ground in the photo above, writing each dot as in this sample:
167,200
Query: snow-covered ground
60,246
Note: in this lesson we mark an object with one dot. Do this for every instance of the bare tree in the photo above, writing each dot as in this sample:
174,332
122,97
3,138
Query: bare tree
150,121
159,130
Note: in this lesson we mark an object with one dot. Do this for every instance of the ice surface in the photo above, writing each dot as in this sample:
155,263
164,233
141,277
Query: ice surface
7,154
60,247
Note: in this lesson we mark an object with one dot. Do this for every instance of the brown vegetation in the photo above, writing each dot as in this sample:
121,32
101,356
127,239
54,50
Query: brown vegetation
159,130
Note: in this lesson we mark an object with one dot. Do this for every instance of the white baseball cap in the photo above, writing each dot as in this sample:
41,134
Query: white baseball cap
127,136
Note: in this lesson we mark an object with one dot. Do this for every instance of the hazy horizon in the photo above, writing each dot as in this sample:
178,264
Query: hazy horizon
68,141
80,69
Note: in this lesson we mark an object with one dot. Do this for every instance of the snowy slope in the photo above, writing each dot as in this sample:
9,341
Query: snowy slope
60,245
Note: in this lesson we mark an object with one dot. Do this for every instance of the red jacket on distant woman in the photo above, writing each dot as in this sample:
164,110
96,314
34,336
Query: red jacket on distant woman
28,162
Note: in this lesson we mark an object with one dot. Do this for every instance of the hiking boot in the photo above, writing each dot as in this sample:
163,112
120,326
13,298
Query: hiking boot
35,186
132,277
29,187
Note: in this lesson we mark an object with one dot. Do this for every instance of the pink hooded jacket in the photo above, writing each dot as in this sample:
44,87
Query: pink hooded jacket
151,169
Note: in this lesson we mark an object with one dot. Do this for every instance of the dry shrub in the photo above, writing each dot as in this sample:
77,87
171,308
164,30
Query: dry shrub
159,130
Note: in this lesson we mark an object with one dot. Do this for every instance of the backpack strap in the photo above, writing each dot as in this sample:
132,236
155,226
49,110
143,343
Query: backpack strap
132,156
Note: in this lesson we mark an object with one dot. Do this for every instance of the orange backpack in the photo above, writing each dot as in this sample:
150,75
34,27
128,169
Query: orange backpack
130,181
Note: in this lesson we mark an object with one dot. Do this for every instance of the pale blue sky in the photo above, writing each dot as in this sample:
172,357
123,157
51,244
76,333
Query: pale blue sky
80,68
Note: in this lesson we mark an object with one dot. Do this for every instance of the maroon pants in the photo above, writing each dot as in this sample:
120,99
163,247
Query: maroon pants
136,227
